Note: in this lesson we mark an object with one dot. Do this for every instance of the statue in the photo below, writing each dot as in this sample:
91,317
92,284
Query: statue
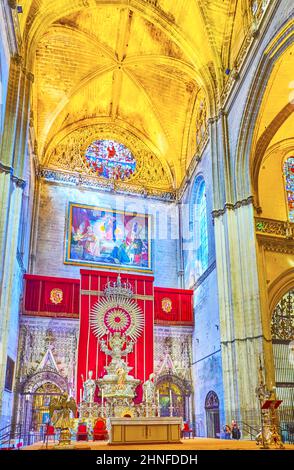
149,389
117,385
117,342
59,412
89,388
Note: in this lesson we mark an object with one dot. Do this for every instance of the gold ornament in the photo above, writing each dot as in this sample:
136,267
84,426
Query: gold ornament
166,305
56,296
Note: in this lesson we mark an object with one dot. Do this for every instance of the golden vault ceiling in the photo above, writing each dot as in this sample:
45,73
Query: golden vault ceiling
152,69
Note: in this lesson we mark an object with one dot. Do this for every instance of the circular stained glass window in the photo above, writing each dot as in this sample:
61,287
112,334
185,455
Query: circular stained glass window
110,159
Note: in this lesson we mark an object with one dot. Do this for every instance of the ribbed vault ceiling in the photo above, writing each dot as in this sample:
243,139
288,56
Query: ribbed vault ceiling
140,65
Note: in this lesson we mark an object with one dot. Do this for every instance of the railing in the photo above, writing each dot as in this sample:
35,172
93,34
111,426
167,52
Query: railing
15,439
247,429
286,432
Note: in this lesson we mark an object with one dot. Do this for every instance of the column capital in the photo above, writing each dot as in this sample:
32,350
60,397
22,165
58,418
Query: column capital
12,4
17,59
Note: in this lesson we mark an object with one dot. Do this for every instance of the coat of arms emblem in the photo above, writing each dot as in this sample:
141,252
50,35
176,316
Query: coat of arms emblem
166,305
56,296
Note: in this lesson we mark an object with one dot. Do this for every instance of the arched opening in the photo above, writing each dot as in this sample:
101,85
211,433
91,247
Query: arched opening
282,329
174,392
197,261
40,405
212,414
201,229
34,402
289,186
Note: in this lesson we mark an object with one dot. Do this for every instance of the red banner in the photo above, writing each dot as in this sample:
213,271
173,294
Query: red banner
173,306
90,357
51,296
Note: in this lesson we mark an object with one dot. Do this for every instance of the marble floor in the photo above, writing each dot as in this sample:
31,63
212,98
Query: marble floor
186,444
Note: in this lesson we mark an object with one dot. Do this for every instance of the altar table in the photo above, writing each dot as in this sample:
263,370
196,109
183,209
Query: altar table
145,430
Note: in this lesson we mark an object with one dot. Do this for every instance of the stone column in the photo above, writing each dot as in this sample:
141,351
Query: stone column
13,153
9,301
7,148
242,337
239,305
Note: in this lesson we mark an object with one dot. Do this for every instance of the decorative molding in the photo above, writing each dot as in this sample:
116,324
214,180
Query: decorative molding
101,184
277,245
274,228
8,170
282,324
275,235
102,294
229,206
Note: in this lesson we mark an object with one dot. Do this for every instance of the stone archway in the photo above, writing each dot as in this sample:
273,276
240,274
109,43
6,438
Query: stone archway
282,330
172,388
35,396
212,414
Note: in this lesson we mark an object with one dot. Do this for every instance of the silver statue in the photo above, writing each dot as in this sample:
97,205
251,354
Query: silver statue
89,388
149,390
117,342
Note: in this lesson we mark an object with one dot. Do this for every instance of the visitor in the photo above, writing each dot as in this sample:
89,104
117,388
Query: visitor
227,431
236,433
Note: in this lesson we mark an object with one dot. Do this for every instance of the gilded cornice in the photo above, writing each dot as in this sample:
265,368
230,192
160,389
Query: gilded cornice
275,228
277,245
275,235
102,184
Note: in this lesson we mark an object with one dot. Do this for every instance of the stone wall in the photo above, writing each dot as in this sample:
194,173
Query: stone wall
206,351
50,228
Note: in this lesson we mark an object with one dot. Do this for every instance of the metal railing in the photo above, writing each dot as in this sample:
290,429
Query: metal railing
286,432
14,438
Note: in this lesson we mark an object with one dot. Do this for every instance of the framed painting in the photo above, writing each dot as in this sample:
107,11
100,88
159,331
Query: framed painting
108,238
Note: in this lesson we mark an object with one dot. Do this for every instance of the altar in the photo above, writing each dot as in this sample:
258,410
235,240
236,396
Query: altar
154,430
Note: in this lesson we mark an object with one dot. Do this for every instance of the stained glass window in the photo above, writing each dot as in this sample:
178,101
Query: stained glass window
201,229
289,186
110,159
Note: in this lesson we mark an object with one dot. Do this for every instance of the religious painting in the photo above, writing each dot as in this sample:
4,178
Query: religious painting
108,238
9,374
110,159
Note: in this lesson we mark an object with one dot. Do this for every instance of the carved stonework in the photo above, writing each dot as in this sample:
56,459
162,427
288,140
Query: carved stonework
173,351
275,235
69,153
41,339
87,181
273,227
282,325
201,123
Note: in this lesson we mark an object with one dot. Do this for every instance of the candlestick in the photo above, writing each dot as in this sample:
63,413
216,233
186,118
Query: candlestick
170,403
81,395
158,404
102,406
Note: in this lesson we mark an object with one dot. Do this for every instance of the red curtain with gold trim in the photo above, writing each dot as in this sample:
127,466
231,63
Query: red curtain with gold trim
51,296
89,355
173,306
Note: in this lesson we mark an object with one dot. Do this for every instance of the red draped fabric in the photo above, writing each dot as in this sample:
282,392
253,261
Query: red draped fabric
89,355
173,306
51,296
